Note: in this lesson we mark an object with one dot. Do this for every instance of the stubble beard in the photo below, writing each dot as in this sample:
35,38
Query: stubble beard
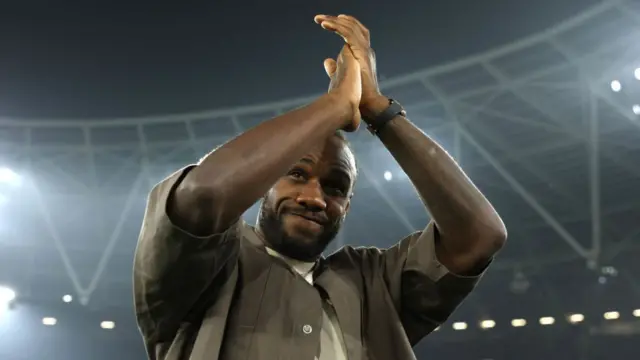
272,226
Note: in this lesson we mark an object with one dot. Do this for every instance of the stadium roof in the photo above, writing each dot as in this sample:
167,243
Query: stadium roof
536,124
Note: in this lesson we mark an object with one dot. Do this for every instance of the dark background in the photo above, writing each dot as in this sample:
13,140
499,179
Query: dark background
98,59
85,93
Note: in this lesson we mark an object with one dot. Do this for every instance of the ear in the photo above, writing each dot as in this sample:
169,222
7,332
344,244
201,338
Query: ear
330,67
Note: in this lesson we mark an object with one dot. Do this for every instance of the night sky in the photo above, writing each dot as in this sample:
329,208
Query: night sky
98,59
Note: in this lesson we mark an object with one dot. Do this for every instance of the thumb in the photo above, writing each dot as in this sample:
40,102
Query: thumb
330,67
347,58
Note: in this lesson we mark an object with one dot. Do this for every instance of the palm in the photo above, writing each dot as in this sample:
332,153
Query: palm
346,81
356,36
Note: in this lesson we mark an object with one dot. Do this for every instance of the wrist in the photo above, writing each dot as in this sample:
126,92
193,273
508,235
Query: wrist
374,106
342,110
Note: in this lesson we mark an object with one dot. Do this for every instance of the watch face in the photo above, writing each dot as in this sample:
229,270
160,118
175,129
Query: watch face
396,108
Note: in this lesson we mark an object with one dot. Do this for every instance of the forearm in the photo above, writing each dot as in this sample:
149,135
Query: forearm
233,177
458,208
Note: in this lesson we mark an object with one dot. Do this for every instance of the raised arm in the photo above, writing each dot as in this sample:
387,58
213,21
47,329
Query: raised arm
429,273
468,230
191,224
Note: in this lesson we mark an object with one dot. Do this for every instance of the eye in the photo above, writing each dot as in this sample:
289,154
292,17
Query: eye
336,190
297,174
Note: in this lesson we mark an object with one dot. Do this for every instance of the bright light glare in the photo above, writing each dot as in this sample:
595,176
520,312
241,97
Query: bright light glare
548,320
49,321
612,315
518,322
7,295
488,324
107,325
616,86
636,73
388,175
67,298
636,313
576,318
636,109
460,326
9,176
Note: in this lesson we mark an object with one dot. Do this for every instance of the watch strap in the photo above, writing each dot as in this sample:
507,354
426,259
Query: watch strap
376,123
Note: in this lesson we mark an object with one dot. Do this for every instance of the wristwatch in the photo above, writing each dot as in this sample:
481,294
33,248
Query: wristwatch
377,122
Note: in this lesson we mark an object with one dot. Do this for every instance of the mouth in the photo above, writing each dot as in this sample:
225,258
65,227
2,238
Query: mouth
312,219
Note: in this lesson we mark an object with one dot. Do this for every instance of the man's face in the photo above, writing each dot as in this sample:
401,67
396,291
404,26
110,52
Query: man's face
304,210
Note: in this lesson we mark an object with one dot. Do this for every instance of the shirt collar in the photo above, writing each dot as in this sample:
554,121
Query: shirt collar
301,267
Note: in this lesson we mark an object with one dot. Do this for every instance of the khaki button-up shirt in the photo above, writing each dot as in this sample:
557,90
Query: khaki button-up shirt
225,297
332,345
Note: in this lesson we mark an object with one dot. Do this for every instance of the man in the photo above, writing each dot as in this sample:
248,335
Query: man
209,286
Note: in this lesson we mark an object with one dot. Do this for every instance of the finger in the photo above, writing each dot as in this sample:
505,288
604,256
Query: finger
353,20
333,25
356,26
330,67
320,18
347,56
350,32
340,29
348,18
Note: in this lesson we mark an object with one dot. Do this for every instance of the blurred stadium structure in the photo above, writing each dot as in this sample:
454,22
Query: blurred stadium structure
548,127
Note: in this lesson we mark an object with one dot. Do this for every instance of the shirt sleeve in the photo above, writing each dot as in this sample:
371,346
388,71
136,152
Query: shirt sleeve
173,269
424,291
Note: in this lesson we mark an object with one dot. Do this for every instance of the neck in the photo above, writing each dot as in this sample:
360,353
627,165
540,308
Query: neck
285,247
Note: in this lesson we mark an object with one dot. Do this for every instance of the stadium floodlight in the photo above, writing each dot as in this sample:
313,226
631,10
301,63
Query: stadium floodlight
616,86
611,315
459,326
9,176
67,298
518,322
107,325
49,321
576,318
547,320
7,295
636,109
636,73
636,313
388,175
487,324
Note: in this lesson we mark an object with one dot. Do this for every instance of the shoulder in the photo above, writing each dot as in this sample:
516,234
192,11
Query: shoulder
356,258
353,254
358,254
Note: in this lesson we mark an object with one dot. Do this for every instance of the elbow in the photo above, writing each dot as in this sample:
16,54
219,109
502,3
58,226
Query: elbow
201,193
194,197
486,234
197,207
492,236
497,241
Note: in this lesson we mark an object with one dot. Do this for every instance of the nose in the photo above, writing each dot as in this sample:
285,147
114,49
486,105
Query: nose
312,198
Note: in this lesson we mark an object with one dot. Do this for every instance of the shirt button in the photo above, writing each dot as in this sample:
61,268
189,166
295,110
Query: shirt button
307,329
